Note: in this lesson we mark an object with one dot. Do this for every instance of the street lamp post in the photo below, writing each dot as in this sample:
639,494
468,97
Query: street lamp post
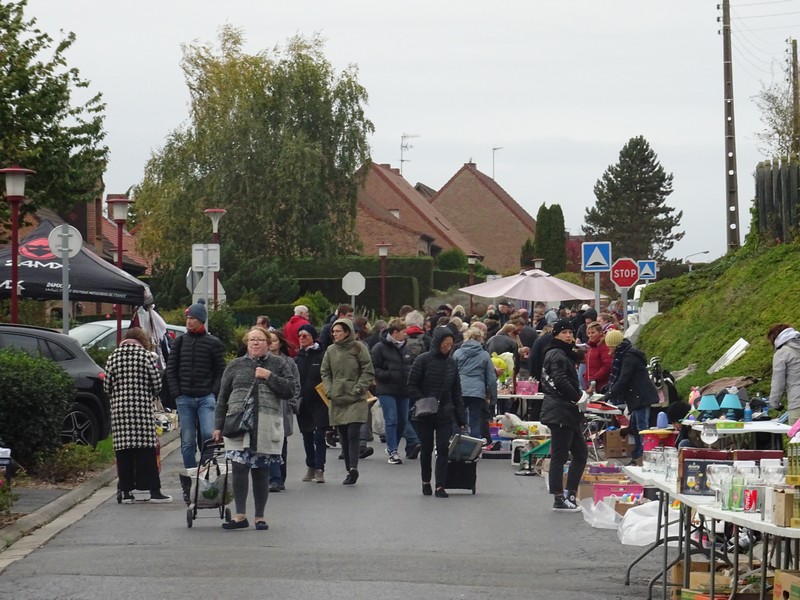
215,214
686,259
383,252
472,258
15,193
118,208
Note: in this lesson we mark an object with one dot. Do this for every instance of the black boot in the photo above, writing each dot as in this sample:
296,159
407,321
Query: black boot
186,488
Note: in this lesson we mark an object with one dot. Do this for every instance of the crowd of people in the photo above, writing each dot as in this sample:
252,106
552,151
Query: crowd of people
327,380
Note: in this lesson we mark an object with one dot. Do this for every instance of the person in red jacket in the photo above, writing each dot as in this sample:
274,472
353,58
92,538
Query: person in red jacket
598,359
291,328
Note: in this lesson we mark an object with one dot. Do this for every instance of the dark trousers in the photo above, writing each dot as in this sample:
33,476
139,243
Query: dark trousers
348,438
137,469
427,428
314,445
566,440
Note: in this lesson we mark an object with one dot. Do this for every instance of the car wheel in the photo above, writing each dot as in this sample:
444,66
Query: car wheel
80,426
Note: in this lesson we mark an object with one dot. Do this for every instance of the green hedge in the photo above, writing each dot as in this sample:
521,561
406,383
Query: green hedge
444,280
35,395
278,314
399,291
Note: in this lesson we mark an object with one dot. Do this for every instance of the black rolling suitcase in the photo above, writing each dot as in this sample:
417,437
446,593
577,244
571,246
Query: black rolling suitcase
462,465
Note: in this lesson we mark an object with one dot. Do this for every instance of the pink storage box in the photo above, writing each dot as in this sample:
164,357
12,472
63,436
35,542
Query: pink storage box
603,490
527,388
662,438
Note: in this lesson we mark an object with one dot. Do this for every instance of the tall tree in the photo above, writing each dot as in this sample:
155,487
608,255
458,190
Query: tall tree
550,242
631,210
527,253
775,103
276,138
42,126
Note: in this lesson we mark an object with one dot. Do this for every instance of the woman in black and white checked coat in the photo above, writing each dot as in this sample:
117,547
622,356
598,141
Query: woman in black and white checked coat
132,381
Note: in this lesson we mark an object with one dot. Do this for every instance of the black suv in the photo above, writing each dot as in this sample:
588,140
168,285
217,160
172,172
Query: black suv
89,419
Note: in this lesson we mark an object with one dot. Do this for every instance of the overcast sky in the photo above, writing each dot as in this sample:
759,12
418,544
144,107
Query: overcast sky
560,86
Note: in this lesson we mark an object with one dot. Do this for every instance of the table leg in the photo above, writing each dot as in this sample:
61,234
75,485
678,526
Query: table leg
764,559
712,559
666,547
687,534
651,548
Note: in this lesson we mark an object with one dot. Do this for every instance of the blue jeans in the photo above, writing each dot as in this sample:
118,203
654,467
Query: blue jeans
474,406
277,470
639,422
314,445
191,412
395,415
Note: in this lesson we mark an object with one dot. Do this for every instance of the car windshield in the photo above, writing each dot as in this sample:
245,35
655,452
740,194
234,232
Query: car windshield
86,333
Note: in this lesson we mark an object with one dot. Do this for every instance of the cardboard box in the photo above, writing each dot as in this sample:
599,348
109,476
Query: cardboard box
786,586
699,579
782,508
622,507
692,476
698,595
617,445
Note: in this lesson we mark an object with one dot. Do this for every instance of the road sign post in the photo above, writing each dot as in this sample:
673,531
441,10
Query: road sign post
624,274
596,258
353,284
66,242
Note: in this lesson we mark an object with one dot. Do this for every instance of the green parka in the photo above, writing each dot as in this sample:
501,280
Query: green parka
347,373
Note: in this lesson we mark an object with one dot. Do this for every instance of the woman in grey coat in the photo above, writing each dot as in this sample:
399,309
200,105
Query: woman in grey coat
270,380
478,380
785,369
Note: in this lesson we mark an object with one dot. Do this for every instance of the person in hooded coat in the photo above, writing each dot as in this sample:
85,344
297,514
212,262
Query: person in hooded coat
347,373
478,380
435,374
785,369
559,384
312,414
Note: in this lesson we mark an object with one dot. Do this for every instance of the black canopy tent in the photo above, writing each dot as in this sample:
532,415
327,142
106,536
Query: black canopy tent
90,277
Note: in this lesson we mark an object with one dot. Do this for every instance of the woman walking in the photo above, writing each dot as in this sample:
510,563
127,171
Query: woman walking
478,381
346,374
312,414
132,382
435,374
269,379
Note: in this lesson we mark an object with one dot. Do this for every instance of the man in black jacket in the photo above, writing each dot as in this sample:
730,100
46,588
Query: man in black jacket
312,415
194,373
560,413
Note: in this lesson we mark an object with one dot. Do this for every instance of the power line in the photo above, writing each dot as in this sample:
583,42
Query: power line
765,16
766,2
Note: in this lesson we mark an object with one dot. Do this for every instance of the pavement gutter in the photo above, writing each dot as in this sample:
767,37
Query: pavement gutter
170,441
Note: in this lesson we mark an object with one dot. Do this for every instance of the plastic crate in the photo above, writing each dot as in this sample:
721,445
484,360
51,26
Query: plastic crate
603,490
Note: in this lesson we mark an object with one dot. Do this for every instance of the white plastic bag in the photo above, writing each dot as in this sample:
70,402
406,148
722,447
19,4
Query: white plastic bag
600,515
638,526
584,401
378,422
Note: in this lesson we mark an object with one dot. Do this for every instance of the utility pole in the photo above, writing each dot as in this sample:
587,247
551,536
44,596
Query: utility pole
731,175
494,151
404,145
795,103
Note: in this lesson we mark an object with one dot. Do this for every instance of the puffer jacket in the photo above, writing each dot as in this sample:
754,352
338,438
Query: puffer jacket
786,370
476,371
274,394
392,365
598,364
347,373
436,374
559,384
633,386
313,412
195,365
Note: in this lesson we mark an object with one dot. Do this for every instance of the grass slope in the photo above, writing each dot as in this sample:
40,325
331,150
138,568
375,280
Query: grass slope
707,310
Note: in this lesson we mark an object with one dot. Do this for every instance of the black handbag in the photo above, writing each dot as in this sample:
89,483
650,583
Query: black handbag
239,423
427,406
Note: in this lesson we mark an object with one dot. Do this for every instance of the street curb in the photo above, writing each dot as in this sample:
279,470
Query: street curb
25,525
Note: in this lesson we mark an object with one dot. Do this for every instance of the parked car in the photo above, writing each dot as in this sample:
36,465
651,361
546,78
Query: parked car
89,419
103,334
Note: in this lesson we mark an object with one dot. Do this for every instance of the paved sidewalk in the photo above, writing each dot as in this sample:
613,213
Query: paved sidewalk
43,505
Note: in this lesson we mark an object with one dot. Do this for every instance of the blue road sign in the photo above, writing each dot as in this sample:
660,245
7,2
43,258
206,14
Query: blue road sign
596,256
647,269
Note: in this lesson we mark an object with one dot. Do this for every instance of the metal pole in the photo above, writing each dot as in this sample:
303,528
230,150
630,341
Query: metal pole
14,200
625,307
471,282
65,279
383,286
119,266
731,174
215,240
207,292
597,291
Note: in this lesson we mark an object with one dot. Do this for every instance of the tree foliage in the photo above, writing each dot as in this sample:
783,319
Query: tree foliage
527,253
775,103
631,210
550,244
276,138
453,259
43,124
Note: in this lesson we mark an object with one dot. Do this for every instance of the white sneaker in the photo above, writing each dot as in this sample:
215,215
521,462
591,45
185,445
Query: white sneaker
562,504
394,459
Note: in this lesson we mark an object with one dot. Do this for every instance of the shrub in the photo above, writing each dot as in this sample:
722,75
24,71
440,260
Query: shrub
222,324
35,395
7,498
66,462
319,307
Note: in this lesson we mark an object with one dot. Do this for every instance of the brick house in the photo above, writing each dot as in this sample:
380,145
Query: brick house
483,211
390,210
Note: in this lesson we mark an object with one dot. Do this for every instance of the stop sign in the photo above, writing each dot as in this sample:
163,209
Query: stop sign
624,272
353,283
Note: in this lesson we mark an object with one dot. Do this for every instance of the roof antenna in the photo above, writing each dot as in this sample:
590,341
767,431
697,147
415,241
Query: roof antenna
404,145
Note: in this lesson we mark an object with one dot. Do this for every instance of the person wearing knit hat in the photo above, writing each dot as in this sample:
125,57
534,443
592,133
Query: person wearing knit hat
198,310
310,329
630,384
194,374
562,325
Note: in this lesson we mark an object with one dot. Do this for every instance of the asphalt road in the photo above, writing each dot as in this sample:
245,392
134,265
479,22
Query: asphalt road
378,539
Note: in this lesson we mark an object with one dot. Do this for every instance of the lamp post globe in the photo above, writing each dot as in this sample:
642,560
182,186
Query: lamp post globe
118,206
15,193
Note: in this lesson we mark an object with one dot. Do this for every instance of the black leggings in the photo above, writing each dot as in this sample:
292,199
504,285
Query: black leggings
426,429
349,439
241,485
566,440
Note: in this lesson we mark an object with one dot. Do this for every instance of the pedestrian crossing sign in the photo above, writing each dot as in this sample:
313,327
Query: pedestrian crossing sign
596,257
647,269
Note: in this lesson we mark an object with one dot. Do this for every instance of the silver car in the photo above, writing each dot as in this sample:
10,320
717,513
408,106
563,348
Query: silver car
103,334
